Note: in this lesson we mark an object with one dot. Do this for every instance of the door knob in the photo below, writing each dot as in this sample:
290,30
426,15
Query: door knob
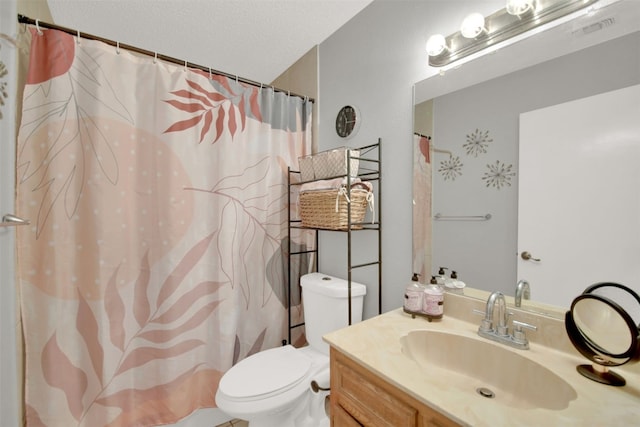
528,257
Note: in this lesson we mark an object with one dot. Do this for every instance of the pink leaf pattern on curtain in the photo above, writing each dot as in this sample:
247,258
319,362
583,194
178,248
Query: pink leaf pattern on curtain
60,373
207,106
88,328
188,262
32,417
75,386
129,398
186,301
164,335
151,252
142,355
141,306
115,310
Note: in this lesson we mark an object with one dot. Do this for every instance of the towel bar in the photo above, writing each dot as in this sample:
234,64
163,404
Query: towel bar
441,217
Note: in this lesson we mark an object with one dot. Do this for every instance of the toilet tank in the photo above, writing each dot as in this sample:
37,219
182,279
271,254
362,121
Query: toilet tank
325,303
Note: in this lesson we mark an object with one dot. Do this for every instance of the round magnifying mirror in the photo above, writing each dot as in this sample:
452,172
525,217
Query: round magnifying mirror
626,298
603,331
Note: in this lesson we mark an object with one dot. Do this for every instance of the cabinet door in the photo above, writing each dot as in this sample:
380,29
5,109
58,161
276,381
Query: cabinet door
366,399
361,398
341,418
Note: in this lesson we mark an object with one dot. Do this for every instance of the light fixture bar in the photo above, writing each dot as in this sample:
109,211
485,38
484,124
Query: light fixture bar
501,26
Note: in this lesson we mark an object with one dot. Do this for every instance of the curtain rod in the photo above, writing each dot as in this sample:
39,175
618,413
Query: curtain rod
26,20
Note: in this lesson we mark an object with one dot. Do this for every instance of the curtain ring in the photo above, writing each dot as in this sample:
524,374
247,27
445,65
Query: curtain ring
155,57
78,39
210,74
38,27
185,66
118,48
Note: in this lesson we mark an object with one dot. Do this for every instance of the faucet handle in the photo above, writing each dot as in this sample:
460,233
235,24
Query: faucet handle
518,334
486,325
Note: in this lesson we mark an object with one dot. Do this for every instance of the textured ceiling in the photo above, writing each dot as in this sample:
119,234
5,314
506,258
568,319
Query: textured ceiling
255,39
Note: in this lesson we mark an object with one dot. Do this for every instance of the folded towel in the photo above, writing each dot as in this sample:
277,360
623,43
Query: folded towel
329,184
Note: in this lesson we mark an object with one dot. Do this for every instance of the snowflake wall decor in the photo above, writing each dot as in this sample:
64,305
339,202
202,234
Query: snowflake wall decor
498,175
477,142
451,168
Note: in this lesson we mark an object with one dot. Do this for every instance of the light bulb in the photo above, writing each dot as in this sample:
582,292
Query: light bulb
518,7
436,44
472,26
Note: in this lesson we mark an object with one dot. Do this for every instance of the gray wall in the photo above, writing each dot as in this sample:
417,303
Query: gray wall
373,62
484,253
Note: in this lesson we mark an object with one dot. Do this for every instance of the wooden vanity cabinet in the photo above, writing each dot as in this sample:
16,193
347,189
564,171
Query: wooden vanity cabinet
361,398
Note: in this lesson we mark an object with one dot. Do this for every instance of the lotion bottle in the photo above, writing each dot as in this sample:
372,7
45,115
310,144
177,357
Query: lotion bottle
433,301
441,277
454,285
413,295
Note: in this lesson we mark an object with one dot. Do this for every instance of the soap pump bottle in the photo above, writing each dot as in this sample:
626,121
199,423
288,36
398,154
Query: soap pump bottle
433,301
441,277
413,295
453,284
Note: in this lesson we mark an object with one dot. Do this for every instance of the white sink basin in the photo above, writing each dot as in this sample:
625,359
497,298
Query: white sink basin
474,363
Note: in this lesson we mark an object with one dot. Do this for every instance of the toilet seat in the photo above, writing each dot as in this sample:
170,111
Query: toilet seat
266,374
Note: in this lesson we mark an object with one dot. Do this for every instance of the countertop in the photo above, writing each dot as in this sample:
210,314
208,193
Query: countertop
375,344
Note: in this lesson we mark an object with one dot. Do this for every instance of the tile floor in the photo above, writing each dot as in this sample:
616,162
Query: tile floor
234,423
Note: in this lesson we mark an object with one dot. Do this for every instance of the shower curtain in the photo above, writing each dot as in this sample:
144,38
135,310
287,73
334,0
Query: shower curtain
156,254
422,207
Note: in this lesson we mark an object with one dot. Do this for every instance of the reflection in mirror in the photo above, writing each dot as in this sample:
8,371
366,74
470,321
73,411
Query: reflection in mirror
479,126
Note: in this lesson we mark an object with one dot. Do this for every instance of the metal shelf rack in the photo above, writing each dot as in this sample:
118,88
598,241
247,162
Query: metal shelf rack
370,169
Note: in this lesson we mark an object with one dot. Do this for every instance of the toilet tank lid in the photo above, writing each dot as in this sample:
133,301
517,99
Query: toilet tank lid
331,286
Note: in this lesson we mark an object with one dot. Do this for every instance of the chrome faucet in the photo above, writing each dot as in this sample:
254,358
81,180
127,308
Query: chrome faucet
487,323
500,332
522,290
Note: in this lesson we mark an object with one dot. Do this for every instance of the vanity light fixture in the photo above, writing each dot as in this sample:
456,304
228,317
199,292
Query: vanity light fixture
519,19
436,44
472,26
519,7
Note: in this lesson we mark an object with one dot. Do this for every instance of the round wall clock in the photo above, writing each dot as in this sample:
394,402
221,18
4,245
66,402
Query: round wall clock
348,121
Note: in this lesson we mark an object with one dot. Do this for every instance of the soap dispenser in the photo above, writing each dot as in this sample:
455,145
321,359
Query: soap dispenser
433,301
441,277
413,295
453,284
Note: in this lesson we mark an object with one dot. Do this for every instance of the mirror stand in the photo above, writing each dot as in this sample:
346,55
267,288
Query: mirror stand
601,374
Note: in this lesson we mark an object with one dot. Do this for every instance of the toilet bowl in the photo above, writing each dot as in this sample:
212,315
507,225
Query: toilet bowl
272,388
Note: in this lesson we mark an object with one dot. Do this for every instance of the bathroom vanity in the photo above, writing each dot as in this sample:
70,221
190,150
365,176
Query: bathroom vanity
380,376
359,397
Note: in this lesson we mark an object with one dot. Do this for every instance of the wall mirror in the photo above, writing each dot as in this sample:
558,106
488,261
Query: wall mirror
475,147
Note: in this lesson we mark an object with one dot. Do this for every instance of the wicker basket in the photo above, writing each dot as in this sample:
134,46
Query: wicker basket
318,208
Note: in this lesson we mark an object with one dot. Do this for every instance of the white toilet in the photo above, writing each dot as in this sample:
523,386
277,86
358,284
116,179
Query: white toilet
272,388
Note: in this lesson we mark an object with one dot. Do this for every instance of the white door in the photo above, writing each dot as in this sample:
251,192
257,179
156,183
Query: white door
579,195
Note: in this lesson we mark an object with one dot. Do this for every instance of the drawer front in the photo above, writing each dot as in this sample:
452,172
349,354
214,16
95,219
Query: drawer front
370,404
341,418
